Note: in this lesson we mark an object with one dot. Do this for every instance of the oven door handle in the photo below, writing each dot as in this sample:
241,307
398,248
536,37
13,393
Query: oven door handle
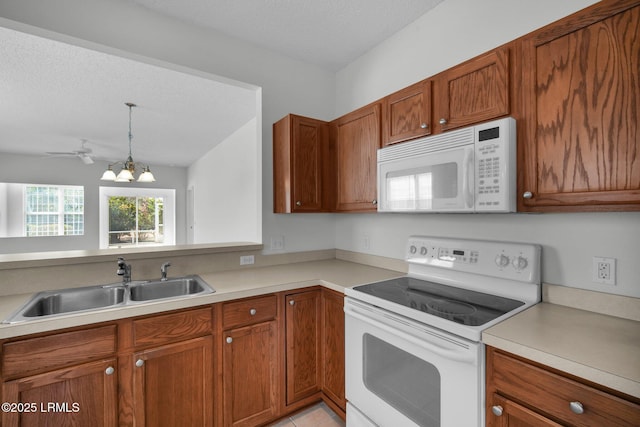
459,356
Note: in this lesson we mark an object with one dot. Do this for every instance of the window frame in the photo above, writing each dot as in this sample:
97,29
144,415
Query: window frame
60,211
169,212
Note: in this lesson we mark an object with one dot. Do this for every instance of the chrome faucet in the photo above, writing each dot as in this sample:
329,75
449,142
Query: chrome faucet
124,270
163,271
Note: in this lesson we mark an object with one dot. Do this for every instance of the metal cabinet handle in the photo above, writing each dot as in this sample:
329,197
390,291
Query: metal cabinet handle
497,410
527,194
298,203
253,311
576,407
443,121
424,125
374,202
292,302
139,363
109,370
229,340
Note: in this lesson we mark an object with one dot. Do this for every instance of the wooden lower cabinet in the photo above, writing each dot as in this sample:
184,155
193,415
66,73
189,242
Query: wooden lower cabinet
303,358
239,363
250,363
333,349
82,395
173,384
524,393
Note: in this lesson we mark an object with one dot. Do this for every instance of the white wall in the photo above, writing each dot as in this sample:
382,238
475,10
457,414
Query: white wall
225,193
454,31
56,170
287,85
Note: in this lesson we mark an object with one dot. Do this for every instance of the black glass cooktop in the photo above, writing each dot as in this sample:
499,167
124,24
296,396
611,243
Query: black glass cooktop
456,304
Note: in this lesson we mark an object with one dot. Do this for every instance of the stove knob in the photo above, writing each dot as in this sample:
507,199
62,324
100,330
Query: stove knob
502,260
423,251
413,249
520,263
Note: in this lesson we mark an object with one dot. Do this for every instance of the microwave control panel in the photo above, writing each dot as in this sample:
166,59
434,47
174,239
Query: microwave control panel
495,174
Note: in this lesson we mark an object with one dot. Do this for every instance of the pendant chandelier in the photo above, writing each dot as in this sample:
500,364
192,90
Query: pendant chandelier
128,166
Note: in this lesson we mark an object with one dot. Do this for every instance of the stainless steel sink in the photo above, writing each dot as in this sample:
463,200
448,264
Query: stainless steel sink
53,303
170,288
56,303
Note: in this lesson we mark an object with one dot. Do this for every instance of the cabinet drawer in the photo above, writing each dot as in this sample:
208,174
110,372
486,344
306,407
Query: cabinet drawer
57,350
553,395
249,311
172,327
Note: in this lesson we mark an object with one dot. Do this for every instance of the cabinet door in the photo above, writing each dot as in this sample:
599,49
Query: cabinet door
302,324
249,375
475,91
407,113
300,145
173,384
83,395
333,347
582,104
502,412
357,143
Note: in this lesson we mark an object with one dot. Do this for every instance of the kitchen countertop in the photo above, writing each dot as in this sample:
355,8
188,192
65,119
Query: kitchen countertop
233,284
599,348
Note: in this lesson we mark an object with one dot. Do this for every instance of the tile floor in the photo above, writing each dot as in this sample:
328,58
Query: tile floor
315,416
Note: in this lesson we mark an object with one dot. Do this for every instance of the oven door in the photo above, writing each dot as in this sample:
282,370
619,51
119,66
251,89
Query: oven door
403,373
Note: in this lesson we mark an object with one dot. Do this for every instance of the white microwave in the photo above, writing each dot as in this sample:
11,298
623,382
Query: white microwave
467,170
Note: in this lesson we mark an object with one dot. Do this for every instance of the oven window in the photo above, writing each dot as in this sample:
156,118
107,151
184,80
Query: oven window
406,382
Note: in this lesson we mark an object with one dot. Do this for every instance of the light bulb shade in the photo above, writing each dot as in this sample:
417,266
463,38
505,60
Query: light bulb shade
108,175
125,175
146,176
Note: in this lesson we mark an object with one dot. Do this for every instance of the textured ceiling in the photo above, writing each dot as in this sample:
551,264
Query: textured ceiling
54,95
329,33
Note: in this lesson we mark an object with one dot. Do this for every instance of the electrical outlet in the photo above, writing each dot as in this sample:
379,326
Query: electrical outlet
277,243
604,270
247,259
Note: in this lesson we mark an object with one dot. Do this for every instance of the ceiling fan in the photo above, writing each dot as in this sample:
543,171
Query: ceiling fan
83,153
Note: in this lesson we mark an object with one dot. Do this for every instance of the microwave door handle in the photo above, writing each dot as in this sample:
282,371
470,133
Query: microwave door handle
467,178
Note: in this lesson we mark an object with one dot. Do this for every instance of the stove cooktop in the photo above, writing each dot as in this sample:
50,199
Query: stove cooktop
459,305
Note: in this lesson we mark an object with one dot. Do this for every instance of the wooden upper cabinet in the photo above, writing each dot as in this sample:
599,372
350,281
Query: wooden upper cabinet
407,113
357,139
582,108
473,92
300,145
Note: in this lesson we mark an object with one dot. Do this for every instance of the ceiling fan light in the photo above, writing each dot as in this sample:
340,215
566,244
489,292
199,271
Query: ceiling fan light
146,176
108,175
125,175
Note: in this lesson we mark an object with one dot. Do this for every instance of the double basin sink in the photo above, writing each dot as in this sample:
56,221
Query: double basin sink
52,303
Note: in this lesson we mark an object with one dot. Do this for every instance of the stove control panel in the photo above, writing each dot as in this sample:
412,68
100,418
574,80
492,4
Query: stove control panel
508,260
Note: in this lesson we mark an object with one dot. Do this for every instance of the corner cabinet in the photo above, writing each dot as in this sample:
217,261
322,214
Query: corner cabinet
303,358
357,137
581,131
475,91
526,394
300,158
407,113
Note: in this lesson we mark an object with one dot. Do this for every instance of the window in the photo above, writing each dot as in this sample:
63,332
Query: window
131,217
53,210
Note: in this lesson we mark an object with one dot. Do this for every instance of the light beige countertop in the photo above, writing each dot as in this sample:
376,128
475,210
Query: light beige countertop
233,284
599,348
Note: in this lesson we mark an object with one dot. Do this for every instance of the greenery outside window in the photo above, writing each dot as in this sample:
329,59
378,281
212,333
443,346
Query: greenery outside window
134,217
